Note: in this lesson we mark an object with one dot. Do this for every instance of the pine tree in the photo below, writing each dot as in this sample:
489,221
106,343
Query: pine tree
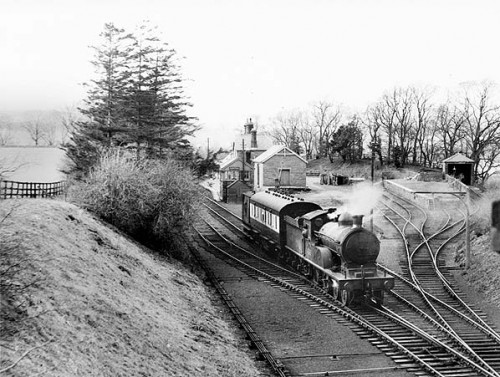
156,109
106,95
136,100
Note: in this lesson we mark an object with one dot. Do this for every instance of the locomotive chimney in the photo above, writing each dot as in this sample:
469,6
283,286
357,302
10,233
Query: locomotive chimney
345,219
357,221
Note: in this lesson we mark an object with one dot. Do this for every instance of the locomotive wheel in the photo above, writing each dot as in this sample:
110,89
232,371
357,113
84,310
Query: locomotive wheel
334,288
335,291
298,264
317,276
378,297
304,269
346,297
281,255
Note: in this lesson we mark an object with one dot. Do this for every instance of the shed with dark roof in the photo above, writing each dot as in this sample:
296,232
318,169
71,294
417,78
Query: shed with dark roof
460,167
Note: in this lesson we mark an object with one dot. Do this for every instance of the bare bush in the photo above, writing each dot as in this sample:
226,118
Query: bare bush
152,200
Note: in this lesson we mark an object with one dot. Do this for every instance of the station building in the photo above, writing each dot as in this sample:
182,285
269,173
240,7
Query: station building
279,167
236,172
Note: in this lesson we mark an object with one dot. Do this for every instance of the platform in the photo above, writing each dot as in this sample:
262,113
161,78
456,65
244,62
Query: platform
428,194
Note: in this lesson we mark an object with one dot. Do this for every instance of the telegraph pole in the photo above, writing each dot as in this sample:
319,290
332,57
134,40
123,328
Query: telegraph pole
242,178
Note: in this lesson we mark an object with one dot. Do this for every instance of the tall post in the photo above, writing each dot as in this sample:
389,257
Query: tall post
467,230
373,160
242,178
373,174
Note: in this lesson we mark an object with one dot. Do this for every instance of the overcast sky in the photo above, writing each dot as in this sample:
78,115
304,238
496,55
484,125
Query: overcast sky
255,58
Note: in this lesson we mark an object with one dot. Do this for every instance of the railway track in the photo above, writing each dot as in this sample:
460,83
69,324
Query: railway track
425,294
420,346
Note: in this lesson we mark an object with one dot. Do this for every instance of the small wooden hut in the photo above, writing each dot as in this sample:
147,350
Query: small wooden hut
461,167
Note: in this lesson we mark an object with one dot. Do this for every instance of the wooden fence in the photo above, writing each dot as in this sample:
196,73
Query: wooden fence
13,189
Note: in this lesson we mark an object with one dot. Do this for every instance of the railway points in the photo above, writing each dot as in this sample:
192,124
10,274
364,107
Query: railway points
478,366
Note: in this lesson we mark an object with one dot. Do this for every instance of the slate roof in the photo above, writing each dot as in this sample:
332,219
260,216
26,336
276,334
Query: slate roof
458,158
228,160
231,159
274,150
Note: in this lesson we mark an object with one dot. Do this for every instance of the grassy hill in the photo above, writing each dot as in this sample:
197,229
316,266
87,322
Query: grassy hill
80,299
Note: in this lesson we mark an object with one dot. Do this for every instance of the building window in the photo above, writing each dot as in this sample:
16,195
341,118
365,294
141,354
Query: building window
234,174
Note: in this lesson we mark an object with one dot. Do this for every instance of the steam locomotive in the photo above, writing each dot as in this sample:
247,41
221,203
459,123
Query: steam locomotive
332,249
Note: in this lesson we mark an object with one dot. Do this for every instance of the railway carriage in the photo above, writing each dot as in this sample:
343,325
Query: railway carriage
332,249
265,211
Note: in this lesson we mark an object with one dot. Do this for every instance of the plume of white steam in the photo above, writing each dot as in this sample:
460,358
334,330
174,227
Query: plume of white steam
362,199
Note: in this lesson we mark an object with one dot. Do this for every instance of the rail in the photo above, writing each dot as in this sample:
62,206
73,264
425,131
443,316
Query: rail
14,189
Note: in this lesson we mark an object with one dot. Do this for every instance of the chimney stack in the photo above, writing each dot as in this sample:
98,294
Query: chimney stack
253,143
248,126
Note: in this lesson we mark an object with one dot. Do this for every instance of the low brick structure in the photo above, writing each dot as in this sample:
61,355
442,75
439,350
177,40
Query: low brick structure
279,167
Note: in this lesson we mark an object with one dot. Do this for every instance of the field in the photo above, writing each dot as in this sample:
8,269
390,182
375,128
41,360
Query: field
32,164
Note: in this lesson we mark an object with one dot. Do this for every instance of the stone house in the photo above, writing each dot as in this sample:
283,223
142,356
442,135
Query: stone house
237,165
279,167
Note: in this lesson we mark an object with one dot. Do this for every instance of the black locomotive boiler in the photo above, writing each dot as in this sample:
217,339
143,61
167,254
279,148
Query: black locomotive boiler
332,249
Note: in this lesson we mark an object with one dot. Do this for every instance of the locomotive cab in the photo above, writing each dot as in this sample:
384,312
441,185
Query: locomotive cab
311,223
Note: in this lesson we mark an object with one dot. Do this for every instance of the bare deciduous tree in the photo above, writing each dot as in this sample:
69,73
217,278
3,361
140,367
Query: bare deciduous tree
307,136
449,124
5,136
326,118
50,135
5,130
69,117
373,122
286,129
36,129
482,125
429,143
385,114
422,105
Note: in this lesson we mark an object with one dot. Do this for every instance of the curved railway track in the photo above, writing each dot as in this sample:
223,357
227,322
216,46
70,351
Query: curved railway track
426,289
412,337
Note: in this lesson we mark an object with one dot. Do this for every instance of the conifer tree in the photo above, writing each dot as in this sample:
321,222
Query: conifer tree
136,100
156,105
107,93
